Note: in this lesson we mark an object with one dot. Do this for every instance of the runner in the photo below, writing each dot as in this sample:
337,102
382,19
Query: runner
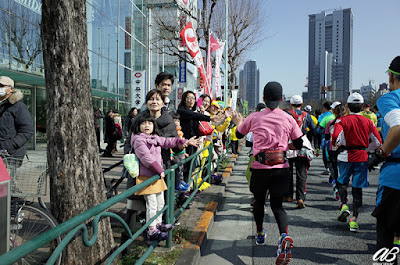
353,135
272,128
387,211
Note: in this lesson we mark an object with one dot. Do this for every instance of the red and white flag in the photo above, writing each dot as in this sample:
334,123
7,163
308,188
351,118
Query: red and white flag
189,37
213,45
217,77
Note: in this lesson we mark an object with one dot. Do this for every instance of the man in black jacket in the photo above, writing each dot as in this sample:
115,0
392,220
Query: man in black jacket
16,125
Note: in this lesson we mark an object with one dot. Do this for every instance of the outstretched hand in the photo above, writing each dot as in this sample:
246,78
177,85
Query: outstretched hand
237,118
192,141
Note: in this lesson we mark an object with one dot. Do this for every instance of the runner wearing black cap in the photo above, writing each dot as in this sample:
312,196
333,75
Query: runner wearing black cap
272,128
387,211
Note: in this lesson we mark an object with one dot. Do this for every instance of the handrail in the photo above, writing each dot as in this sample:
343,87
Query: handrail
77,223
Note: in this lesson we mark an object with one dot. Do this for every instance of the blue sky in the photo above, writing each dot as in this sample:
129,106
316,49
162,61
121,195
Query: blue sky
283,57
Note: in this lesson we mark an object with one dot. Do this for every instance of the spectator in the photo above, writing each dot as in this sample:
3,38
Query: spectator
98,114
16,125
129,118
110,137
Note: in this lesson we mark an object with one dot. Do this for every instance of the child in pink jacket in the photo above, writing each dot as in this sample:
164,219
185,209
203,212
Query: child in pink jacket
147,145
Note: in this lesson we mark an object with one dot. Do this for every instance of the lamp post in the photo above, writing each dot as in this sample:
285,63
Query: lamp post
226,53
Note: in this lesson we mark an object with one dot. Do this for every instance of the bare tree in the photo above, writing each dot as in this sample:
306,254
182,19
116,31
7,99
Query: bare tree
246,29
76,181
24,37
170,24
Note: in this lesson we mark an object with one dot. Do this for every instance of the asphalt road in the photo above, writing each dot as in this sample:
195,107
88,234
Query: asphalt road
319,238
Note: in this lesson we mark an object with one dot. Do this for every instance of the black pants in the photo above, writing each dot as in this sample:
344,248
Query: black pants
98,136
357,197
387,215
235,146
109,147
190,150
179,170
276,181
301,177
333,164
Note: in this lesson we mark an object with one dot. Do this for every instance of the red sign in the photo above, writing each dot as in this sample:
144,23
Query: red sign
138,75
189,37
4,176
180,92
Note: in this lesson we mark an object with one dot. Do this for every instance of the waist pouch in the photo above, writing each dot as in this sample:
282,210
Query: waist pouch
271,157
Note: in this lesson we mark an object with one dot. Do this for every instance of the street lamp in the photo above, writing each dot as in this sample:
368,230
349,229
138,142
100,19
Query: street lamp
226,53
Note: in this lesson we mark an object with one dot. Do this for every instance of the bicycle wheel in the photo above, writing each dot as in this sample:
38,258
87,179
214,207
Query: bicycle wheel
28,223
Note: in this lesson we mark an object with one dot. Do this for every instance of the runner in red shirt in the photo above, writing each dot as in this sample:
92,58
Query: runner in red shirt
353,135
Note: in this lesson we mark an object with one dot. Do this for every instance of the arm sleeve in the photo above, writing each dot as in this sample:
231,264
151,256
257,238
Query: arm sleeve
143,154
170,142
191,115
374,138
337,130
222,127
389,108
298,143
24,128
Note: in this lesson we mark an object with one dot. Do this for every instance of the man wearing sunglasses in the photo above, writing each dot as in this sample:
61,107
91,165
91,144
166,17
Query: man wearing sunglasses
16,126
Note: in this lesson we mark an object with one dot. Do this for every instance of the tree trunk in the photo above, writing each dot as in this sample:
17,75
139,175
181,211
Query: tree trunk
76,182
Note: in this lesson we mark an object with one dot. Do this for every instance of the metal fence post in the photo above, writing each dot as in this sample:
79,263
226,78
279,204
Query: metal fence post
170,202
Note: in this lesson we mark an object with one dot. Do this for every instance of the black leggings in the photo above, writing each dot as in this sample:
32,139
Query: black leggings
277,182
276,206
357,197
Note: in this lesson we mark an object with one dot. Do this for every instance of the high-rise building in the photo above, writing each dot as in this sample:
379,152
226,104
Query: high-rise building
249,84
330,55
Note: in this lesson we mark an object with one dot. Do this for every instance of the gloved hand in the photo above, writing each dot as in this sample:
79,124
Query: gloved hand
376,158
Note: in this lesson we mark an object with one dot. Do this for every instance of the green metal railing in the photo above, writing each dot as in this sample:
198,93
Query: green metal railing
78,223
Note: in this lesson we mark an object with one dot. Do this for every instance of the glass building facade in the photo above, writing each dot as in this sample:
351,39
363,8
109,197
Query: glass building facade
117,46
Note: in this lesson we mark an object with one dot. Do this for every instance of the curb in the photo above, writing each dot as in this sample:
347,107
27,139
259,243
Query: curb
192,251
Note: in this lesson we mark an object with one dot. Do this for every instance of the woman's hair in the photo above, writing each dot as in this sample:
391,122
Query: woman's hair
152,92
132,109
339,111
203,96
184,96
143,117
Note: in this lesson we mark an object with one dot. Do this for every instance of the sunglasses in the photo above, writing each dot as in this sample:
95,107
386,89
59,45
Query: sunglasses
1,85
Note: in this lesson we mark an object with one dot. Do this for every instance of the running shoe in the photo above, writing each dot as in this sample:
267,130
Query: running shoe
181,188
353,225
344,213
396,243
284,250
164,227
325,172
287,199
260,237
157,235
300,204
185,184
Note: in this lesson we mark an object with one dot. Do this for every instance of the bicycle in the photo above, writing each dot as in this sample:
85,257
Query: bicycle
29,180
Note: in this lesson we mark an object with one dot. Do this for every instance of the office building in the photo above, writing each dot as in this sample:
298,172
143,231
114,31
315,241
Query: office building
249,84
117,44
368,91
330,55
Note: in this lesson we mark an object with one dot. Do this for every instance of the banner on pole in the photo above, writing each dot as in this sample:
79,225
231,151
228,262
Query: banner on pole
189,37
217,78
213,45
234,98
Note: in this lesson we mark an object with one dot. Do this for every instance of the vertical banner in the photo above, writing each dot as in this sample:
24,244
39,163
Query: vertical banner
217,78
189,37
213,45
234,98
182,67
245,108
139,89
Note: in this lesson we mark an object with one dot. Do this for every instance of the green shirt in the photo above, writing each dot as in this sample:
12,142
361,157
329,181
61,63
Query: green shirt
326,119
370,115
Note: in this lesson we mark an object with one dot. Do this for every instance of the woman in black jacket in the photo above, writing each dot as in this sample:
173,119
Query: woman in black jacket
190,124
